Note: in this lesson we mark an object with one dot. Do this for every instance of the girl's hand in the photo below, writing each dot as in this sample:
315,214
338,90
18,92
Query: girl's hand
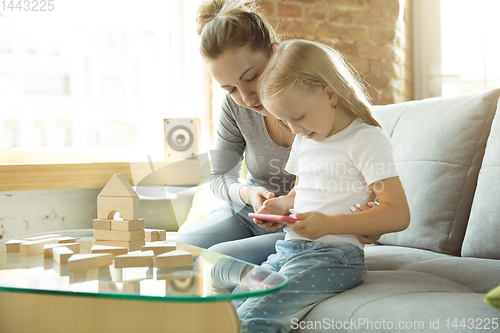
310,225
276,206
365,239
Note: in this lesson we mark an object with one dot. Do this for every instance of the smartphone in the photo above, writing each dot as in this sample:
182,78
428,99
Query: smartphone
273,218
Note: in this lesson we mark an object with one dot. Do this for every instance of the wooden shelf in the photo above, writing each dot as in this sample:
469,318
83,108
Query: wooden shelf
80,175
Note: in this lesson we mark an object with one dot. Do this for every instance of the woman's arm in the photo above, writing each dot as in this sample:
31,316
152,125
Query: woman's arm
227,156
391,215
225,185
226,159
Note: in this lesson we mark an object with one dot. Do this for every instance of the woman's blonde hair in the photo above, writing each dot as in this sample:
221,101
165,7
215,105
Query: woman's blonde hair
225,24
309,66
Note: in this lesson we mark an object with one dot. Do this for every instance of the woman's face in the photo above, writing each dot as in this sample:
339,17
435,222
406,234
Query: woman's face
237,71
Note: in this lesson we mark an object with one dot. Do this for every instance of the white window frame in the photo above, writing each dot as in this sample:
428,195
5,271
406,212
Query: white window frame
427,70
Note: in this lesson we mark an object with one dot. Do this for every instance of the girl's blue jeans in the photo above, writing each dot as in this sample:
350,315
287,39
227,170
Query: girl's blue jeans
229,230
315,271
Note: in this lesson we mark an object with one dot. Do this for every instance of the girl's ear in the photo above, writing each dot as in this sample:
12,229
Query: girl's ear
332,96
275,46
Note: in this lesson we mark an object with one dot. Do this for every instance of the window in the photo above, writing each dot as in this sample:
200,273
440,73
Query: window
98,75
456,46
470,51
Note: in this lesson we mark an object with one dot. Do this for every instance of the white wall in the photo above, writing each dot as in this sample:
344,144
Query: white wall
32,212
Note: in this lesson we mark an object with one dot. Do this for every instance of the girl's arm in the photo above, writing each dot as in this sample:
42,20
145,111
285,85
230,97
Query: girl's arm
391,215
278,206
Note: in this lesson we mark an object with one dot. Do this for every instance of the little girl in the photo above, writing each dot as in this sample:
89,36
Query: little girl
340,156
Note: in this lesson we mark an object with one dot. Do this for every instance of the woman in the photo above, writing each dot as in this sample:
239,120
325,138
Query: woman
237,44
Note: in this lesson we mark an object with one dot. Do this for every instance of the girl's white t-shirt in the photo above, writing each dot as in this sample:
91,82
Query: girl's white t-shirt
337,173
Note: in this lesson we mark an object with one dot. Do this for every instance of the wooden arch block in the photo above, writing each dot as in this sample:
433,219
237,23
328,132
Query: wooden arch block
129,207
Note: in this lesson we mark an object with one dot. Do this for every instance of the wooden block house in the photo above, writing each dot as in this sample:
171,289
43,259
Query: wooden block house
118,196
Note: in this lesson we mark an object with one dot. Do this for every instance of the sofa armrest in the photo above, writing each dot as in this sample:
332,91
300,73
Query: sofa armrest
165,207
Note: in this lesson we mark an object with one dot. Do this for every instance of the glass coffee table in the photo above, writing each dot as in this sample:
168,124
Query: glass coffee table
39,295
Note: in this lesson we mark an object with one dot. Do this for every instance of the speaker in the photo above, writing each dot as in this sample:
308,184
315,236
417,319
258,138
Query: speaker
182,138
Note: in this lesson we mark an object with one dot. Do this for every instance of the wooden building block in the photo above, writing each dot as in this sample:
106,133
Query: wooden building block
47,249
175,258
155,235
13,246
61,254
159,248
131,246
66,240
35,247
99,224
115,250
151,235
37,238
126,225
131,287
127,206
124,236
79,262
118,186
135,259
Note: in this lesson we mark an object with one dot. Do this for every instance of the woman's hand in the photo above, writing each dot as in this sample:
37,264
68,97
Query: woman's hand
365,239
255,196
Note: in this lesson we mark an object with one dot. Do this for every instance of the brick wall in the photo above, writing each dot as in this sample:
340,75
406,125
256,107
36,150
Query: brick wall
374,35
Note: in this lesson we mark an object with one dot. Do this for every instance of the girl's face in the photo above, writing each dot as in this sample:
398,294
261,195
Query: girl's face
311,114
237,71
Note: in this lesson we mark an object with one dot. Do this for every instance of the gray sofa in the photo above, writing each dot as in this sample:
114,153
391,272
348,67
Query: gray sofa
433,276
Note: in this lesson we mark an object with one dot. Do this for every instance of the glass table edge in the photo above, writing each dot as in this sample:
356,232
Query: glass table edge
130,296
135,297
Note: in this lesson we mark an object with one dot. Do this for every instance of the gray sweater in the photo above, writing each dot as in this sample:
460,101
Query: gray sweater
243,131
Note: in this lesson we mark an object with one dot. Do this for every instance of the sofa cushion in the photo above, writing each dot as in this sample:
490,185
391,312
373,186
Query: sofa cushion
438,148
204,202
414,312
389,257
399,296
479,275
165,207
483,231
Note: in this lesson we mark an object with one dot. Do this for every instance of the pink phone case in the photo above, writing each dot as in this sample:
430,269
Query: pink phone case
273,218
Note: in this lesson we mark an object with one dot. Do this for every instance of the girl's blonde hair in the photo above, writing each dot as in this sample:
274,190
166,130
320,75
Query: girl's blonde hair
225,24
309,66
